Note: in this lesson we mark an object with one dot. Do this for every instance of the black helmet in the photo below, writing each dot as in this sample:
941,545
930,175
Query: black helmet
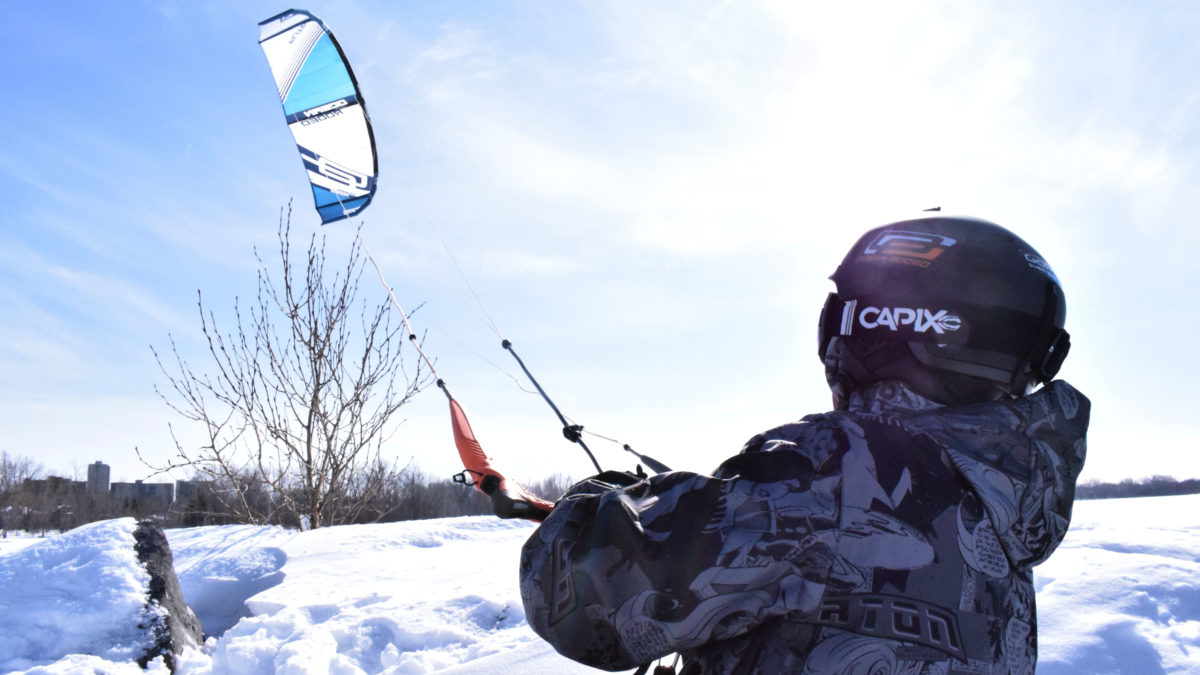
959,309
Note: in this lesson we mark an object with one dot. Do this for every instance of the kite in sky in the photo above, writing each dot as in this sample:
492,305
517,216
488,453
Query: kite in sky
324,110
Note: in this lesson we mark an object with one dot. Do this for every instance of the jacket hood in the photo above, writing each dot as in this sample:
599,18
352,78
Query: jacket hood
1021,457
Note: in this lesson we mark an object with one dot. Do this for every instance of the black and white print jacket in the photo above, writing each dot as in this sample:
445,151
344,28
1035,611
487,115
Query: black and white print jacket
897,536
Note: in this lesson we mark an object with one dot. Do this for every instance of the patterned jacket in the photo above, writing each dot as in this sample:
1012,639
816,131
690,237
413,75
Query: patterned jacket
893,537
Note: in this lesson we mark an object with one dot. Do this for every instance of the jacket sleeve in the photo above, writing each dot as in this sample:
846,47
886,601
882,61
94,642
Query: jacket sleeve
616,577
1026,480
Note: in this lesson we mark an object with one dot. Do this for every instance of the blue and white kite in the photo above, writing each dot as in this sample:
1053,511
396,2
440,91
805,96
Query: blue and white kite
324,110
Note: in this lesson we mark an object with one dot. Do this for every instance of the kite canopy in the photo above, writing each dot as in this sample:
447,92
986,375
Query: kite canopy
324,111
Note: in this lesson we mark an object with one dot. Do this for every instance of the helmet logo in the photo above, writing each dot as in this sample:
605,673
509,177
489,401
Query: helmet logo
920,319
910,248
1038,264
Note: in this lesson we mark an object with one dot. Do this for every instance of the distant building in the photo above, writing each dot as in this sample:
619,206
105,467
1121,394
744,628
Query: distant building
98,475
188,490
54,486
148,495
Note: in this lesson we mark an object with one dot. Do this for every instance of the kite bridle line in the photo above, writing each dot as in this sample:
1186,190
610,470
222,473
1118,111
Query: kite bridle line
571,431
509,498
412,337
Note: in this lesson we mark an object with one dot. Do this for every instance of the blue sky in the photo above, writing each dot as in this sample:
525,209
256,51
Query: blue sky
648,198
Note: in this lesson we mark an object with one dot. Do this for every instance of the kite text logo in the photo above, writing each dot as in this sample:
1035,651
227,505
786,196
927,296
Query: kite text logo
920,319
319,118
322,112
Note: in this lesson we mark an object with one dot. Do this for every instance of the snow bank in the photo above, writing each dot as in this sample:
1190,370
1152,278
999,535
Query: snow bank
82,592
1122,595
412,597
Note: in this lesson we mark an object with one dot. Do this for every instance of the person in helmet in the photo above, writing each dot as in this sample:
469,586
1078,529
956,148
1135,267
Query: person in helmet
894,534
961,310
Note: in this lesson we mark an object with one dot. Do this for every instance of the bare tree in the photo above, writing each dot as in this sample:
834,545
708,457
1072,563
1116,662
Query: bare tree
15,504
302,395
14,470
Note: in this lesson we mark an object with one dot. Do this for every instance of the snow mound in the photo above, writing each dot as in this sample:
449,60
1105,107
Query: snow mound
82,592
1122,593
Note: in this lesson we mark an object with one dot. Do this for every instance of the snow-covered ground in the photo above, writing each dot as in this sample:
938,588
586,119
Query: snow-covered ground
1122,595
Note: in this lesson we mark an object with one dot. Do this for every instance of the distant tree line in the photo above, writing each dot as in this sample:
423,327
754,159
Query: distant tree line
408,494
36,503
1155,486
